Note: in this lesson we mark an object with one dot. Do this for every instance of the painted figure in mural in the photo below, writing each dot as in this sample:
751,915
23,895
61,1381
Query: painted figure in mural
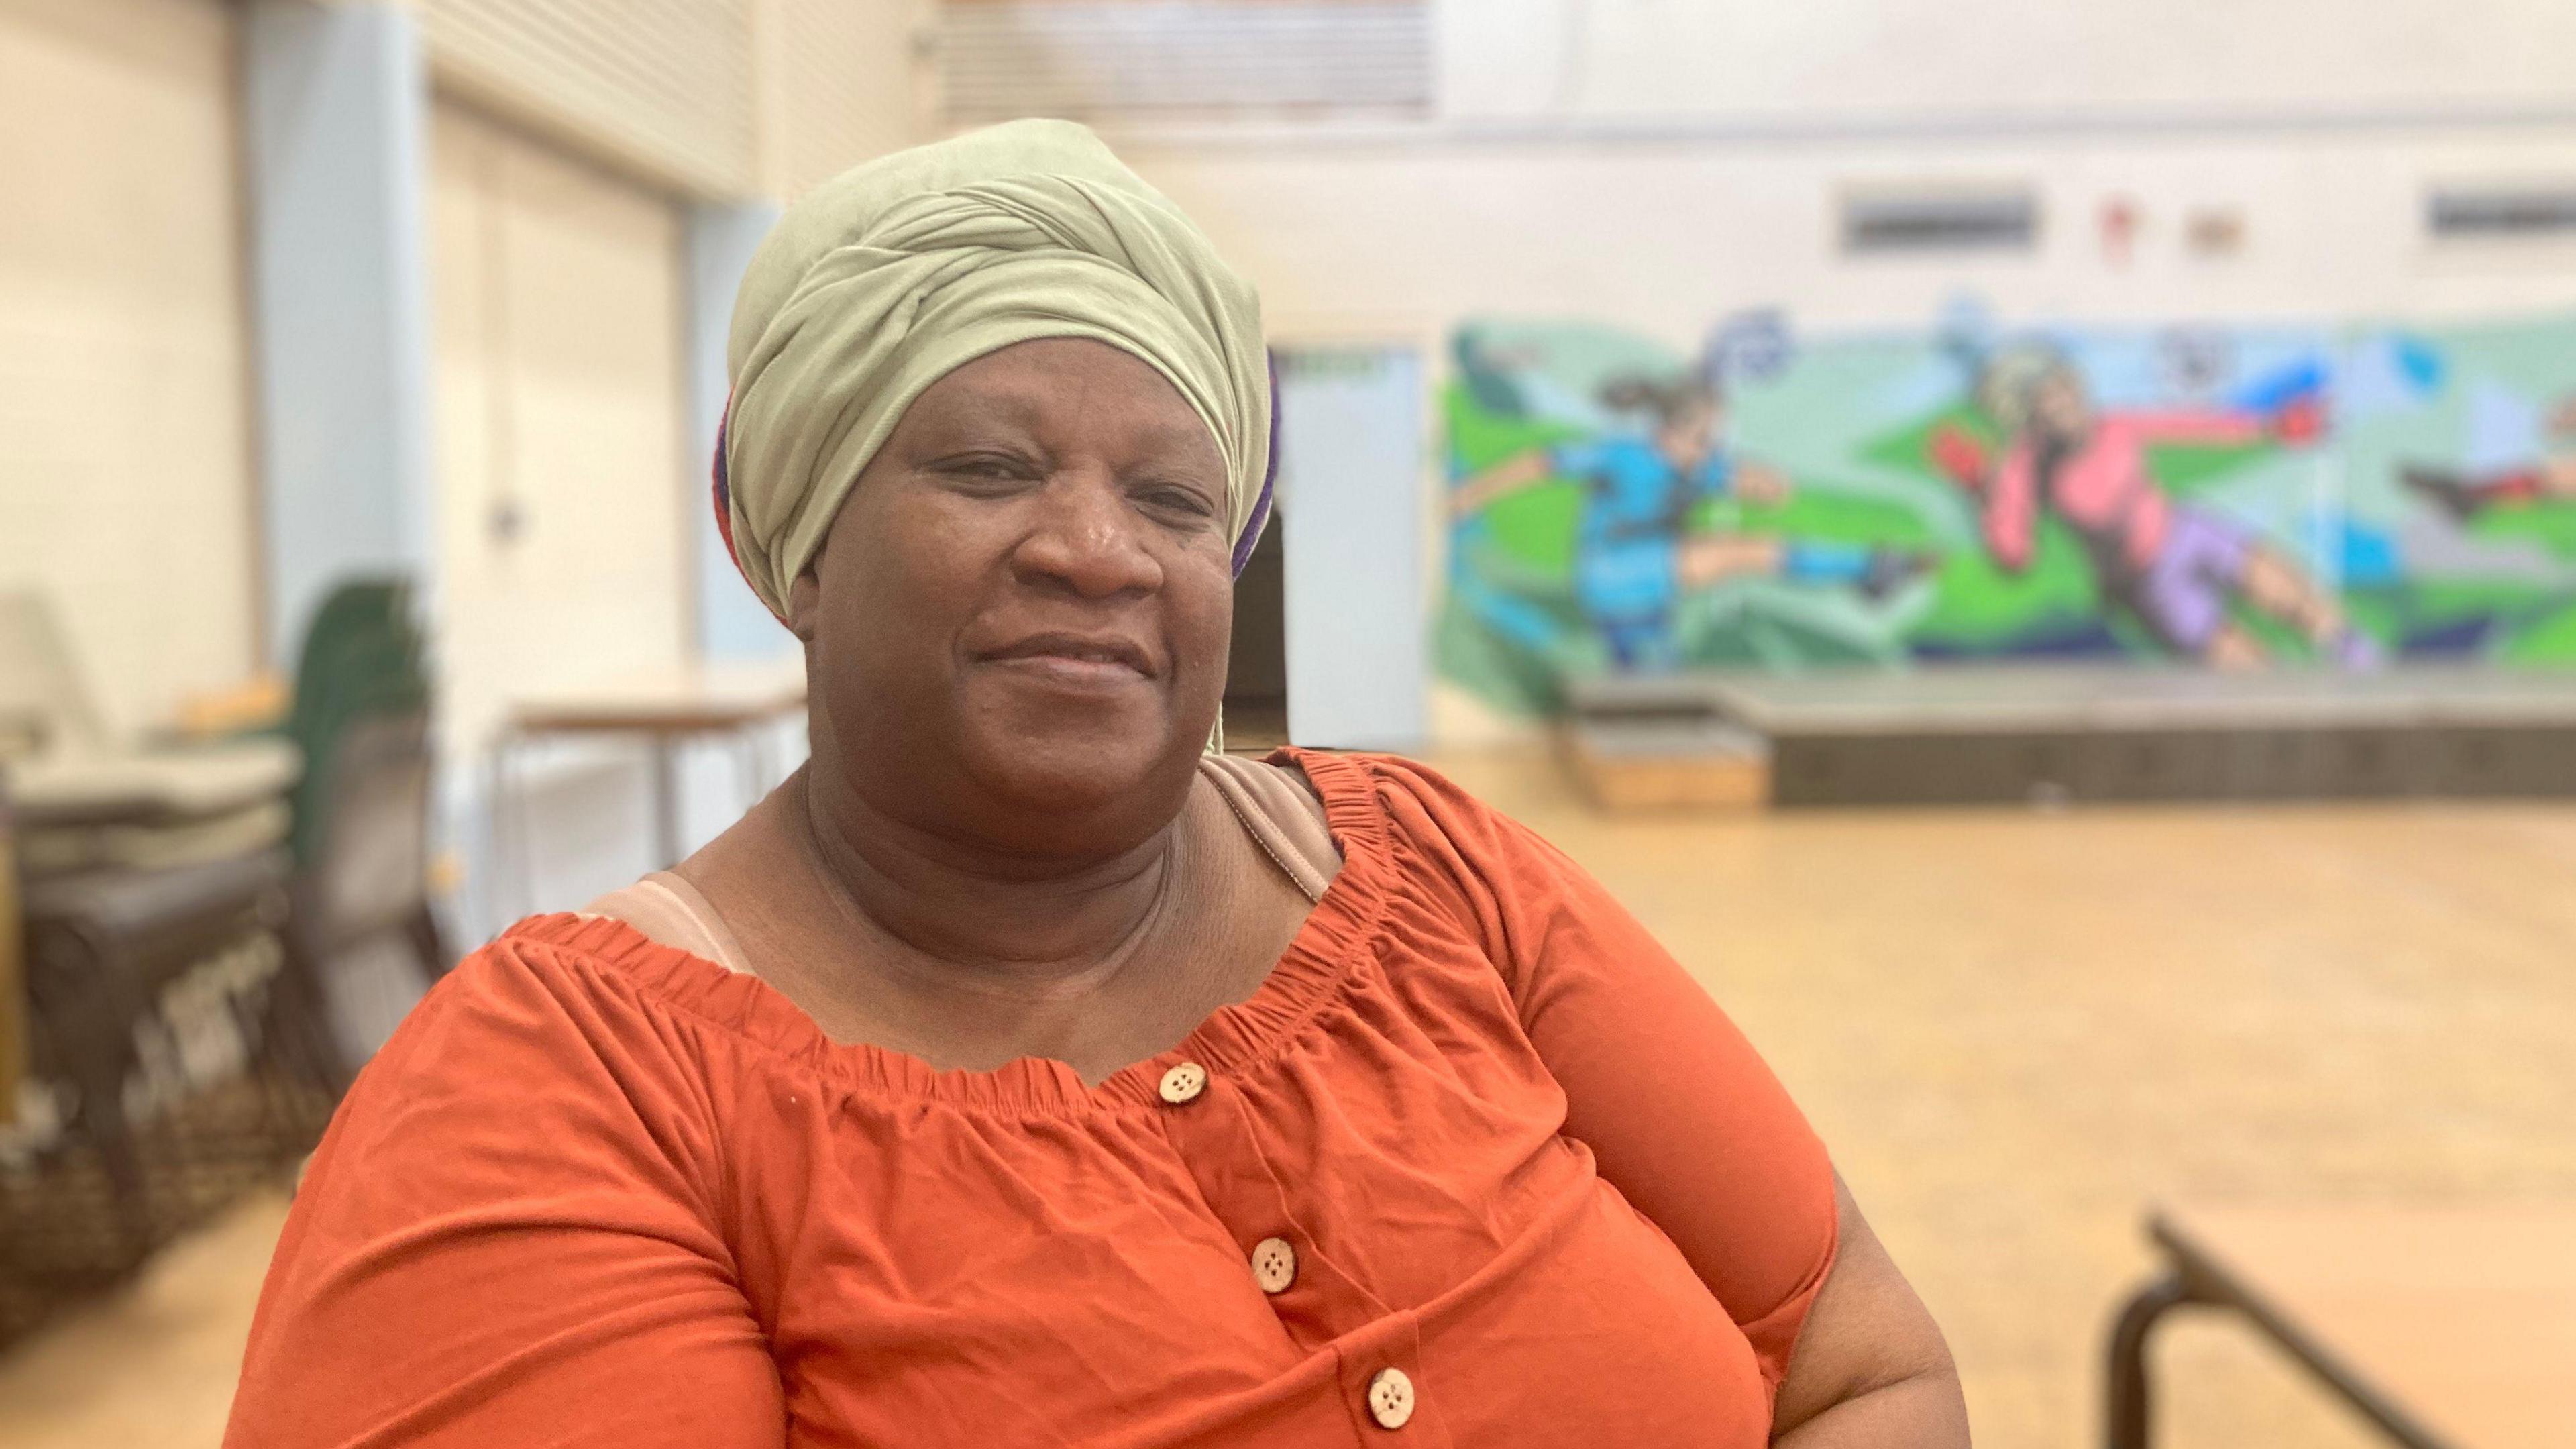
2466,495
2180,571
1635,554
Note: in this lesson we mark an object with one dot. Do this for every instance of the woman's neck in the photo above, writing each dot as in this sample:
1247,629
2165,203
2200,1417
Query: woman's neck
969,914
968,958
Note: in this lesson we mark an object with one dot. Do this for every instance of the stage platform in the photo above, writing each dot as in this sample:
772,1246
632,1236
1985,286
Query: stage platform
1936,736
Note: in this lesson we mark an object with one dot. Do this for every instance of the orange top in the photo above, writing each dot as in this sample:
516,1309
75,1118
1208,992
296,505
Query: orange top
1478,1165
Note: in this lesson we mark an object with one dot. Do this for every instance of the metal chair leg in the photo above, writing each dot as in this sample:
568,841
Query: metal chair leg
431,943
2125,1417
303,1014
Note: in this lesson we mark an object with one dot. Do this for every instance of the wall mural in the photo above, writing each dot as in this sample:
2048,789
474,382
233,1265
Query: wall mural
2233,497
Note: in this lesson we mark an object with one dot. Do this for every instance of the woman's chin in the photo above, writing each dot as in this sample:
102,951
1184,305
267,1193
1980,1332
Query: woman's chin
1074,767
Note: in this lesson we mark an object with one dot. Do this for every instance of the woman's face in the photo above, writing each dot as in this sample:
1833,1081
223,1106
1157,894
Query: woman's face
1017,627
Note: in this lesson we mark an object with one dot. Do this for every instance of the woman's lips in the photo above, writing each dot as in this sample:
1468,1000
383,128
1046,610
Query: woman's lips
1078,661
1065,669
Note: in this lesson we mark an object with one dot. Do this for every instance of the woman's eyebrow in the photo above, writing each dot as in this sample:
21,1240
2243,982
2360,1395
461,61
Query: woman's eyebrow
1163,440
1177,444
990,403
1014,409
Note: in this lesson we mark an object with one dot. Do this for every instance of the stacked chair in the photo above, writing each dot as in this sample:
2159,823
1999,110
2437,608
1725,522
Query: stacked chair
86,800
150,874
13,973
138,863
361,720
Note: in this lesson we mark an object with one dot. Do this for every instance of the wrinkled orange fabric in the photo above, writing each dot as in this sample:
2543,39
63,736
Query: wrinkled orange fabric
600,1192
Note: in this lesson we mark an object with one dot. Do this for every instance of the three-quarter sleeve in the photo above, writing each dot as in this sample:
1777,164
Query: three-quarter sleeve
1681,1114
510,1237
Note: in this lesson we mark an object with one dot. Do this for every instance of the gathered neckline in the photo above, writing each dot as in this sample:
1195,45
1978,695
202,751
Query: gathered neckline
1321,961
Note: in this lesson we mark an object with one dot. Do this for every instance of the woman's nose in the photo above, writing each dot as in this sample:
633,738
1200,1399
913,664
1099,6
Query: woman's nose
1084,537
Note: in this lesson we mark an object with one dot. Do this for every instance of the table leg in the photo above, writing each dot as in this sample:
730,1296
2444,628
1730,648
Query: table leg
510,856
2125,1409
754,763
666,801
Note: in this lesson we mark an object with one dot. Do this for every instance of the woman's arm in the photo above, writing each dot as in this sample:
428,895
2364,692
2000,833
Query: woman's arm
1871,1367
1678,1108
1685,1119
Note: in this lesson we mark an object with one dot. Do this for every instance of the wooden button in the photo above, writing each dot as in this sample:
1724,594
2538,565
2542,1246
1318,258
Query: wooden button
1390,1398
1184,1082
1274,1265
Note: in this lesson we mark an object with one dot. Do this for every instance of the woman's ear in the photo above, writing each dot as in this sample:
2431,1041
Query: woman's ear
804,604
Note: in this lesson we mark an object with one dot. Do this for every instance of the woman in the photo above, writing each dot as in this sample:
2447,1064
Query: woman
1634,554
2180,571
1014,1075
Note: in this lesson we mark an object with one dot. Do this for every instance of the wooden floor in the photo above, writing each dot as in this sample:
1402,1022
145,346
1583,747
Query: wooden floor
2014,1029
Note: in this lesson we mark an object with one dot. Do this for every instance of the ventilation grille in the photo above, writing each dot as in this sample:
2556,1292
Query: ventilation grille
665,85
2502,214
1182,59
1949,222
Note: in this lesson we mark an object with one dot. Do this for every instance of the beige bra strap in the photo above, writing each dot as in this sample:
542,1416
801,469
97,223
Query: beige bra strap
1280,812
672,912
1283,816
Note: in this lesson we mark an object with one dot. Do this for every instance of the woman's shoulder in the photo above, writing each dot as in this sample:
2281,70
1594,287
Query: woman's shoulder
540,1051
572,954
1411,831
669,911
570,999
602,964
1404,800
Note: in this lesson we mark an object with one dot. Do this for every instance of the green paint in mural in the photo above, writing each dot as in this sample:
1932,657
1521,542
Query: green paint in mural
2237,496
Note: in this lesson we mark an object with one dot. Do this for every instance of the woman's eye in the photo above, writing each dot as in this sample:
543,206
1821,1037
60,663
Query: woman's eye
984,467
1183,501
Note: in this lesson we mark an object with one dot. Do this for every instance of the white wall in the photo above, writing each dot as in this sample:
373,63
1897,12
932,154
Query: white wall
1648,161
1917,61
125,449
557,291
563,557
1656,164
842,86
1391,235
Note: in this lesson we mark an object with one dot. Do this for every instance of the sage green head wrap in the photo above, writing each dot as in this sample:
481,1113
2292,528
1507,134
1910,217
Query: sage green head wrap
880,282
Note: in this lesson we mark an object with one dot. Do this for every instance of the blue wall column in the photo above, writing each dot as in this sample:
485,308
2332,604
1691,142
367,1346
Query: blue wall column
731,622
337,106
1350,503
